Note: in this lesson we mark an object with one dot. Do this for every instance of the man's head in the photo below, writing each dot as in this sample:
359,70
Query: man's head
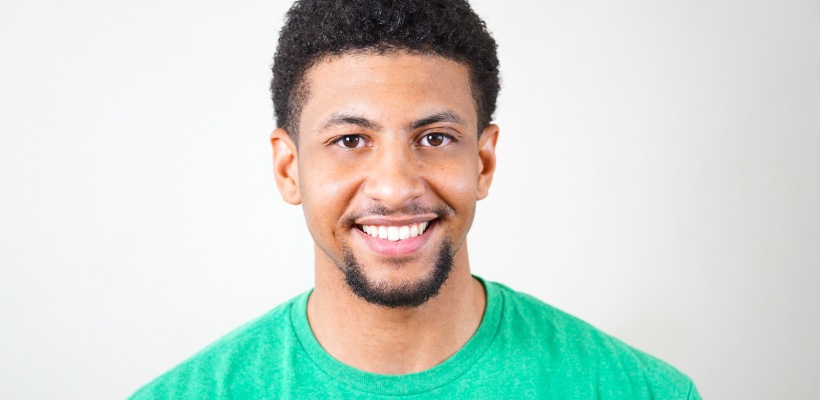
385,101
316,29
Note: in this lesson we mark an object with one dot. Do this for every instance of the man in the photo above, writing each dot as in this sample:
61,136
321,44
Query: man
384,137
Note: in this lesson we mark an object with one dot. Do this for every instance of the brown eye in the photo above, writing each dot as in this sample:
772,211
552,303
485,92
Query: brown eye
350,141
434,140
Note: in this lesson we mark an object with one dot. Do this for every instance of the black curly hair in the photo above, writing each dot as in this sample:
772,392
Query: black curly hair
315,29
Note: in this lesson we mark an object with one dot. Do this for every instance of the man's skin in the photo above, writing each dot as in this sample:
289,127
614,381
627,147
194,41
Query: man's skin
396,132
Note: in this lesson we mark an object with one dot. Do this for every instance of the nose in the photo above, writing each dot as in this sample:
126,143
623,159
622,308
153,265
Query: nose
394,178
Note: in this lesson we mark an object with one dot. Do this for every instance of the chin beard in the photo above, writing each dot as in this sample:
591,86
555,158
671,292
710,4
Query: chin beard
402,295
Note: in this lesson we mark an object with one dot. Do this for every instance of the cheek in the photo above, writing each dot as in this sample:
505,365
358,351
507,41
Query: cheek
456,182
458,188
326,192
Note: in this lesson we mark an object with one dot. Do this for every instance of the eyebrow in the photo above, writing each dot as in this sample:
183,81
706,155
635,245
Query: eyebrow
444,116
350,119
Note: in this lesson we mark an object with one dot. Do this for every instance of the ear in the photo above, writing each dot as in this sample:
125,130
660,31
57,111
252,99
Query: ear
285,166
486,159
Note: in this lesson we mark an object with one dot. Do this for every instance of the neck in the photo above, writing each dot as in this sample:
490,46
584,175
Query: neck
395,341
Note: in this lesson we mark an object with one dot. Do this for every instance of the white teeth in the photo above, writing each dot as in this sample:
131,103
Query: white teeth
392,233
395,233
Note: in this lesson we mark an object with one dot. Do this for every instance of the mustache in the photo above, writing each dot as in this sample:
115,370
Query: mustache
409,209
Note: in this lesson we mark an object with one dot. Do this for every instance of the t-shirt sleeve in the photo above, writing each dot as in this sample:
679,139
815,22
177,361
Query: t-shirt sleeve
693,392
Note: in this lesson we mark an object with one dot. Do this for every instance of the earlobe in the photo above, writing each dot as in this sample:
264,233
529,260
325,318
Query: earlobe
486,159
285,166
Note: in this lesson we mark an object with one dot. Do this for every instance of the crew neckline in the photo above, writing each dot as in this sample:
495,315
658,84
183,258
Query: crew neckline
407,384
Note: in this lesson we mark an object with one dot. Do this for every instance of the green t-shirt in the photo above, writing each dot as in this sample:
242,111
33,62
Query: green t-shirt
522,349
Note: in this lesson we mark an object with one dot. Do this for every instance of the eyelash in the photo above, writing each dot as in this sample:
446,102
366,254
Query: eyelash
338,141
446,139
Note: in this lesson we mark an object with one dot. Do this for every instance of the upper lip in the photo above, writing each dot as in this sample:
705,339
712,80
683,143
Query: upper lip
396,220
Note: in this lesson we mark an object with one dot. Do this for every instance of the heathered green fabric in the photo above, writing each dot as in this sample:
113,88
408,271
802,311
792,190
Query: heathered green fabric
523,349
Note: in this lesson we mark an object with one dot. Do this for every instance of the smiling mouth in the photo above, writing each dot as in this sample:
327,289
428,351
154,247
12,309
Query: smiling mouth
395,233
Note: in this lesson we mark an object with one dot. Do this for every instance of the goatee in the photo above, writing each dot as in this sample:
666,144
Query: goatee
402,295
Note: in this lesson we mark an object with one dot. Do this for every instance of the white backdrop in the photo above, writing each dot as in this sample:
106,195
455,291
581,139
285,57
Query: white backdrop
658,176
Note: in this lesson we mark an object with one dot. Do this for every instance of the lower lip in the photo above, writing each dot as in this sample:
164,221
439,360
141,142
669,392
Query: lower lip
400,248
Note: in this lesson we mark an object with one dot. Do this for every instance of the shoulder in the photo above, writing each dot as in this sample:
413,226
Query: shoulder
580,350
210,371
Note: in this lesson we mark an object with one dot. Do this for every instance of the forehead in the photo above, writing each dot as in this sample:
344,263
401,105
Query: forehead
389,88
